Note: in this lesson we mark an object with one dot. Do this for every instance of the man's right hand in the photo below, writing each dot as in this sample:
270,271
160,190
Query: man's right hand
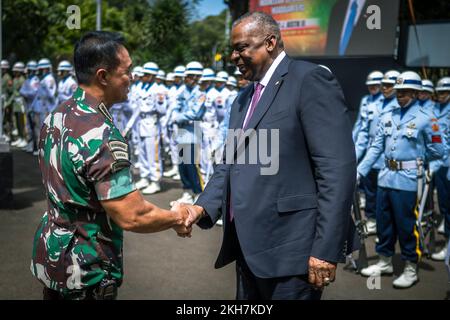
183,229
193,214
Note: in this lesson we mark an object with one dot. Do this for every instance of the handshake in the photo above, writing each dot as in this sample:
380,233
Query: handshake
189,214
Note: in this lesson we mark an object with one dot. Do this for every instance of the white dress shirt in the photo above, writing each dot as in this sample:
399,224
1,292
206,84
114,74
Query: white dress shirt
265,80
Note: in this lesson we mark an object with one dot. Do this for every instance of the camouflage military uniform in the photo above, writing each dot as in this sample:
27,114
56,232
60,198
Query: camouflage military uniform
83,159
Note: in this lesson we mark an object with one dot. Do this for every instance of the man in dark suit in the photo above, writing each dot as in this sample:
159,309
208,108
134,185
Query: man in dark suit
287,228
348,31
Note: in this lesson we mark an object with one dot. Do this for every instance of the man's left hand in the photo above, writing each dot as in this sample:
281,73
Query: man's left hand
321,273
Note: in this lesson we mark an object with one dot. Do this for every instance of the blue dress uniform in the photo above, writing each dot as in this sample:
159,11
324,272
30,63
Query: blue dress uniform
146,117
191,108
441,122
121,113
362,113
366,137
404,135
28,91
426,104
45,100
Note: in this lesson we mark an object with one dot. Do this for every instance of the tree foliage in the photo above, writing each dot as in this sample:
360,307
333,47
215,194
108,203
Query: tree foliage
155,30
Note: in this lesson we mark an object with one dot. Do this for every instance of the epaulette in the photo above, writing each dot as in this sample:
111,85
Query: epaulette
102,108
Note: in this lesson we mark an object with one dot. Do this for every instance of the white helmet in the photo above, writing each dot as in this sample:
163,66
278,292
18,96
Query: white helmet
179,71
443,84
138,71
408,80
374,78
44,64
222,76
237,72
161,75
19,67
390,77
170,76
4,64
194,68
151,68
31,65
427,85
232,81
208,75
64,66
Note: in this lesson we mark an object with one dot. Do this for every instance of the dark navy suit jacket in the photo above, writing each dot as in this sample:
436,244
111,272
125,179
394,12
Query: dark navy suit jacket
303,210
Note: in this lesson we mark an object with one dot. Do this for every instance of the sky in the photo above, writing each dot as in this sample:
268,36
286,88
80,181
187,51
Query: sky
210,7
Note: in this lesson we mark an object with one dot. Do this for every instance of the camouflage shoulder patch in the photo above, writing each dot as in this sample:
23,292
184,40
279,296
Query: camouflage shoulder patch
102,108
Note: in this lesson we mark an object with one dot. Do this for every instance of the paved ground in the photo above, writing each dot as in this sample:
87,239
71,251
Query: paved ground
164,266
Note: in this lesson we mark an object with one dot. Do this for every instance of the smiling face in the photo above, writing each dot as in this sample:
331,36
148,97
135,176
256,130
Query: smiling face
119,80
251,50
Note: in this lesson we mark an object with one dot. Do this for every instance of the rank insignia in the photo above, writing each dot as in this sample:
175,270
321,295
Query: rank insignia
435,127
436,139
119,150
102,108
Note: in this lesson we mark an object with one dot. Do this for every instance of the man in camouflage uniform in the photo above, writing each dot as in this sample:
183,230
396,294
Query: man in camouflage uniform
84,160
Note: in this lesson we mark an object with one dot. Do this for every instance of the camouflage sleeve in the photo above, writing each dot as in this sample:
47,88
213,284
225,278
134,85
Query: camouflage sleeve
115,185
109,170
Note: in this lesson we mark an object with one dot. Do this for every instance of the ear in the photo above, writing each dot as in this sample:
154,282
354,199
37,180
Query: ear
102,76
271,42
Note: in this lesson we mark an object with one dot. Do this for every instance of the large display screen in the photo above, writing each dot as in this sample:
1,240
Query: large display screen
334,27
433,49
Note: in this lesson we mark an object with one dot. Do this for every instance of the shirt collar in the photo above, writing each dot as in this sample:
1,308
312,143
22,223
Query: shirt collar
265,80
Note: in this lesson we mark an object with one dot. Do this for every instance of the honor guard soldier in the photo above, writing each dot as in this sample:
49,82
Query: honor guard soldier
190,111
67,84
6,113
45,100
426,94
17,103
209,124
441,121
28,92
373,83
366,136
173,94
222,95
406,137
147,119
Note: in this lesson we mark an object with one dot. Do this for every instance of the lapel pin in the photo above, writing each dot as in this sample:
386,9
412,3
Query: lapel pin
276,83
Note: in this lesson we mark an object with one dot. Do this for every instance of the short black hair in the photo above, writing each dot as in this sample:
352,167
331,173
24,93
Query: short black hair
96,49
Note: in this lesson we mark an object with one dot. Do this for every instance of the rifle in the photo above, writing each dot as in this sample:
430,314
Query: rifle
425,221
447,260
362,233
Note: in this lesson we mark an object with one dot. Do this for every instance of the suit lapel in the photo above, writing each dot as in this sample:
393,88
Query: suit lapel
269,93
266,99
241,107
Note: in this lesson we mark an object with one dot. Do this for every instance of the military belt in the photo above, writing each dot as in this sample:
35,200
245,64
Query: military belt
147,114
395,165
